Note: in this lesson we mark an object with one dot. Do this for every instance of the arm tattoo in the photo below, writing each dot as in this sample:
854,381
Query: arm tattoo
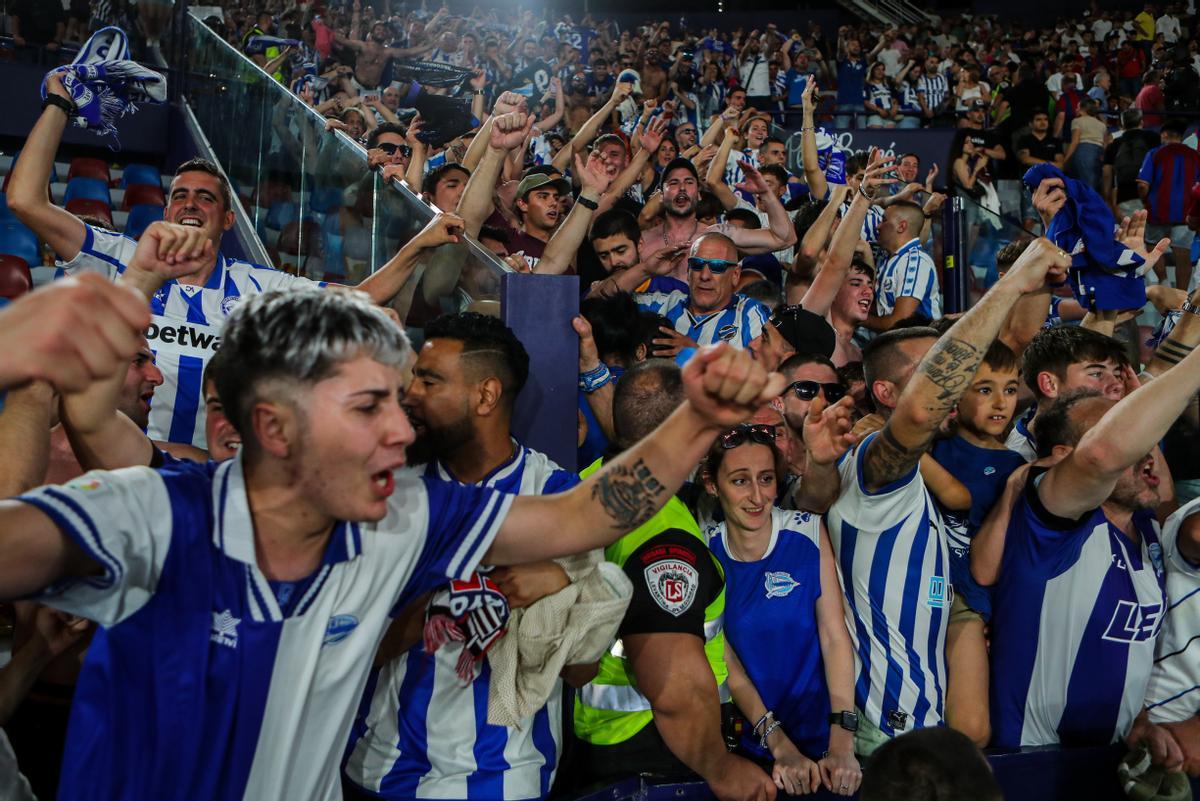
629,495
950,365
888,459
1173,352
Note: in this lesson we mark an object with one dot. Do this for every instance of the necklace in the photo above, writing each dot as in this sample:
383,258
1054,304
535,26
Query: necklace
669,243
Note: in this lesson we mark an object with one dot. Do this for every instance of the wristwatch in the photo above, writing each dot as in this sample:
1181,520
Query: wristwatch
1189,308
848,720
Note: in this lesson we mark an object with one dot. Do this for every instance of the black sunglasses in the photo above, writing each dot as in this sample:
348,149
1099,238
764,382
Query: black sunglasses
390,148
807,390
748,432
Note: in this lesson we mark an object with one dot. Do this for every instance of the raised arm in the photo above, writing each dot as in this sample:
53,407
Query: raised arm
714,178
723,386
564,244
949,367
28,197
507,131
818,186
778,234
817,236
386,282
589,130
832,275
651,138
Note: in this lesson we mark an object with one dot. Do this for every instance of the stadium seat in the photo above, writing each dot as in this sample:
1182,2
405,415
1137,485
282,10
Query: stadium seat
280,214
140,217
15,279
86,207
140,174
5,213
17,240
143,194
325,200
83,167
87,188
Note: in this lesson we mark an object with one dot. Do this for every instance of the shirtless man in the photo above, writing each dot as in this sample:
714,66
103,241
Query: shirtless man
680,196
654,77
372,56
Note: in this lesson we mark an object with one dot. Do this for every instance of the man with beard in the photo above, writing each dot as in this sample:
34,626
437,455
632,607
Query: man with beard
681,194
808,375
1084,537
465,383
372,55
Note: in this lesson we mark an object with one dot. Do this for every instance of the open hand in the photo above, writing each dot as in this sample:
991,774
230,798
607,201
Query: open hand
827,433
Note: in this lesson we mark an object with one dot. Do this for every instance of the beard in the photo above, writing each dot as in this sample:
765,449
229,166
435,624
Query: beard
438,442
676,211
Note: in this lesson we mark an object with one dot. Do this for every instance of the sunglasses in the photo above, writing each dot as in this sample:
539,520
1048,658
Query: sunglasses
748,432
390,148
807,390
715,266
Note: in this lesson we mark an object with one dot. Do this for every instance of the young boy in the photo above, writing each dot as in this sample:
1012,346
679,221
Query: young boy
976,455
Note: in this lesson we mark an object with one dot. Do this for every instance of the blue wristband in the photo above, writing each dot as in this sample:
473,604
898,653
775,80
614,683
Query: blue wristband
592,380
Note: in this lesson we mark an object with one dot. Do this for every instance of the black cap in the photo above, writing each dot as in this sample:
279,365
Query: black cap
805,331
680,163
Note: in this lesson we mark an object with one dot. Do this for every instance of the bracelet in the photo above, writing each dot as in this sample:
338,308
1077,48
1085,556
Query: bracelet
594,379
59,102
862,192
1189,308
767,717
775,724
587,203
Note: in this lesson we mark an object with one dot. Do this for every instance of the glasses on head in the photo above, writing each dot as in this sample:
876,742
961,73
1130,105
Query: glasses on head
715,266
748,432
391,147
807,390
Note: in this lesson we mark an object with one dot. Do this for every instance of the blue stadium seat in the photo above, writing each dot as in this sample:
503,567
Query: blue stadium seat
282,213
5,214
4,188
141,174
140,217
17,240
87,188
326,199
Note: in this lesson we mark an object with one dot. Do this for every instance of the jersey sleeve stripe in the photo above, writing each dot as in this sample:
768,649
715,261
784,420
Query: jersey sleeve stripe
69,524
96,545
480,537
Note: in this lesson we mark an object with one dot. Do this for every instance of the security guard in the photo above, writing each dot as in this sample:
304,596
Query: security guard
655,705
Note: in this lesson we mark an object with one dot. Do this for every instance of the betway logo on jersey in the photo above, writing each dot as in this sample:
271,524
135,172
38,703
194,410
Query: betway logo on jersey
1134,622
187,339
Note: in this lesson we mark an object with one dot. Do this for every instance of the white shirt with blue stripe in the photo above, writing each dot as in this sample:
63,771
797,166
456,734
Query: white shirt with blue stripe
893,561
185,326
424,734
1075,616
197,685
1020,437
909,274
739,323
1174,690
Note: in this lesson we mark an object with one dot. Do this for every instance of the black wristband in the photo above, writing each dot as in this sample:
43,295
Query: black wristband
587,203
59,102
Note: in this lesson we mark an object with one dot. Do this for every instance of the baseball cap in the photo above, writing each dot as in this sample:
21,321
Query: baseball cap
680,163
538,180
805,331
978,104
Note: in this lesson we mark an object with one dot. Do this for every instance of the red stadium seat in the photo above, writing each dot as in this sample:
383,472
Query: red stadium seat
15,279
83,167
86,207
143,195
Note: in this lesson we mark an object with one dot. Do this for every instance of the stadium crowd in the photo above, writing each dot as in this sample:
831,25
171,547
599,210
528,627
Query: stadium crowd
824,535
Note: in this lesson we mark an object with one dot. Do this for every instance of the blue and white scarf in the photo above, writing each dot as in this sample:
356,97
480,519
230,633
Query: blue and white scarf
105,84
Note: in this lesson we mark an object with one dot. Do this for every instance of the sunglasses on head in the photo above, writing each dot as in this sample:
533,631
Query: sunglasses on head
807,390
390,148
715,266
748,432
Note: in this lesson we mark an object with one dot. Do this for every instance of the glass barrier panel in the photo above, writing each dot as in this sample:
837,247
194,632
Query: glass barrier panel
318,209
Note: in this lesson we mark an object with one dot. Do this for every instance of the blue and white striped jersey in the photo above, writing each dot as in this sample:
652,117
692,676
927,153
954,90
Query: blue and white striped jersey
909,274
881,95
1075,616
197,685
935,88
893,561
739,323
1174,690
733,171
1020,438
422,733
185,327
